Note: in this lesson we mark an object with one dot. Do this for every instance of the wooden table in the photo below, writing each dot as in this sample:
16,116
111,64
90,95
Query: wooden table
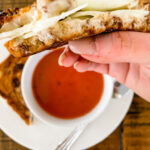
132,134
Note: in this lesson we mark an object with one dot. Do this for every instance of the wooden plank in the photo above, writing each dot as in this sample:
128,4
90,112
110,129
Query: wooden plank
111,143
7,144
5,4
136,126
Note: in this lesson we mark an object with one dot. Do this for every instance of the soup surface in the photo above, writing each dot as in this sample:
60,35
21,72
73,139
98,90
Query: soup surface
64,92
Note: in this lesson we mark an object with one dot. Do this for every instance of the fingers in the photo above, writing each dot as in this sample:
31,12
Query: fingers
84,65
114,47
133,75
125,73
117,70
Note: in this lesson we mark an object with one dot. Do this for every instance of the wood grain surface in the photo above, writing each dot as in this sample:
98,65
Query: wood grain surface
5,4
132,134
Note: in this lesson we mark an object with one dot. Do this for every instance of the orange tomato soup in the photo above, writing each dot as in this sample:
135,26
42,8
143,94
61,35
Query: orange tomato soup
64,92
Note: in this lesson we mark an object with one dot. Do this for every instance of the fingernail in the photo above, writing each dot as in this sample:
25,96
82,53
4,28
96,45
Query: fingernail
62,56
76,67
61,59
75,64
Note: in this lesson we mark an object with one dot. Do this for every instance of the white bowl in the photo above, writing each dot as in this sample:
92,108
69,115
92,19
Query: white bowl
26,86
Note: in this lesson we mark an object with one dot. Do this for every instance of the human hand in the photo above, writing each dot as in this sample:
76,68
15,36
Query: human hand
122,55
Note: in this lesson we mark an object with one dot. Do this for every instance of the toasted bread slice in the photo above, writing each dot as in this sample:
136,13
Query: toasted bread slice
10,86
78,25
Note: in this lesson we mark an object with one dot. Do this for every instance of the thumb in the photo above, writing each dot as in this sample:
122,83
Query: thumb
114,47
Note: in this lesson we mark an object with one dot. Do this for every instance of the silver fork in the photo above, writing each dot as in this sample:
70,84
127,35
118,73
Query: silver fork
69,141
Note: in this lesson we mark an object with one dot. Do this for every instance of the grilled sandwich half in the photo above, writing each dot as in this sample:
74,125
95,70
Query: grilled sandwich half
48,24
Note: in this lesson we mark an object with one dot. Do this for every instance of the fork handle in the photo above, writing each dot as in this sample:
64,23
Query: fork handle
69,141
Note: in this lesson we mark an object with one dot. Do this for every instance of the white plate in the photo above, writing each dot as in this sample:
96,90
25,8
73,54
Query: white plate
42,137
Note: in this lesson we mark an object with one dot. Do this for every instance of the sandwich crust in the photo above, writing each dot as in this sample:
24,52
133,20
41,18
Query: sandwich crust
10,86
